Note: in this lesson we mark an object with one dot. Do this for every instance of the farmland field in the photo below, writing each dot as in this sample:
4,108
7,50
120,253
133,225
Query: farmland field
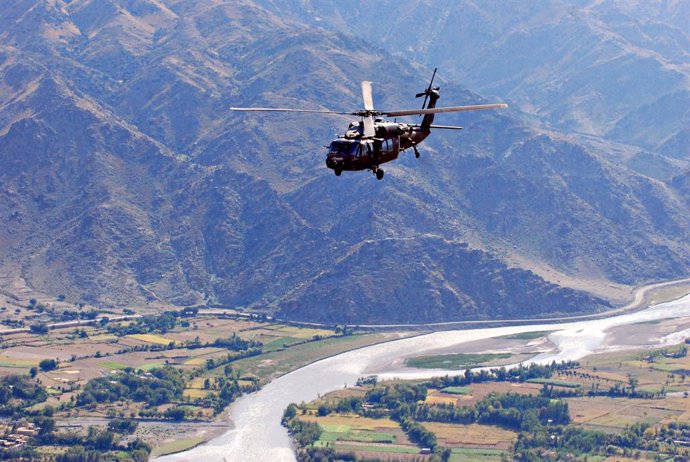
457,361
16,363
176,446
112,365
471,436
556,383
457,390
475,455
151,338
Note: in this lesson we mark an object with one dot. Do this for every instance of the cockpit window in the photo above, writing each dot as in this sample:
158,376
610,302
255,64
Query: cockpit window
336,148
354,150
344,149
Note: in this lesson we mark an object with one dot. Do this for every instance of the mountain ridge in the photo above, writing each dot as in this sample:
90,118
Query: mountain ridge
129,181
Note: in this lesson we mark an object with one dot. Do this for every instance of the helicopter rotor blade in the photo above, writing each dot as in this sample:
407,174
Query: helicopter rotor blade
437,110
369,129
444,127
366,96
277,109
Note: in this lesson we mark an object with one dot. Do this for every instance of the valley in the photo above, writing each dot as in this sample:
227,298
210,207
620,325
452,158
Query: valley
215,356
174,274
257,416
127,180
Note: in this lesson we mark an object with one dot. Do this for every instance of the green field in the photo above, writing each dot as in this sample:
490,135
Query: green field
279,343
454,361
150,338
17,363
457,390
386,449
149,366
113,365
527,335
475,455
176,446
555,383
360,437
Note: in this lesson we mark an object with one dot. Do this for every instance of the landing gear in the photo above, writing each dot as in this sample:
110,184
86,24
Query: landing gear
416,153
338,172
377,171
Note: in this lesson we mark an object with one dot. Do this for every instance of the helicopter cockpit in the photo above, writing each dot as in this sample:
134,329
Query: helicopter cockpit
351,150
350,154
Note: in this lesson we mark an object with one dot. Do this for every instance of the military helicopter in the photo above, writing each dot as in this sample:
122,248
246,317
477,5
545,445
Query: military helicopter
373,140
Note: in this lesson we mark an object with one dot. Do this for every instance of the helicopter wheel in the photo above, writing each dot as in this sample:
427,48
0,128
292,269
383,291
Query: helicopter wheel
379,174
416,153
338,172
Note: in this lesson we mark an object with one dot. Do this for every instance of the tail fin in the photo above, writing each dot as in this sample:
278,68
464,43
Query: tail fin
432,95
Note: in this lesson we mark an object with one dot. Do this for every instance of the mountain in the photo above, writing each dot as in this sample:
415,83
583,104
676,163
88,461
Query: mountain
613,69
126,180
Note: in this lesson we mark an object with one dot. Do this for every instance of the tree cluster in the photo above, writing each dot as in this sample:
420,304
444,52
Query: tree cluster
160,386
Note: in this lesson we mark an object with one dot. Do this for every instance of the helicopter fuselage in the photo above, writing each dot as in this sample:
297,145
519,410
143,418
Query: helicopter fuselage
352,151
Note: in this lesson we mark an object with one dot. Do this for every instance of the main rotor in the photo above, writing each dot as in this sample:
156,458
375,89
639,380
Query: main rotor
368,112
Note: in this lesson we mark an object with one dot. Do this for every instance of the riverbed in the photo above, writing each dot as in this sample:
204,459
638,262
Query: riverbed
256,433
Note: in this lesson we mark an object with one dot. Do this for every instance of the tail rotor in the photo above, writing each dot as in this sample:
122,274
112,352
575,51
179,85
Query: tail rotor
426,93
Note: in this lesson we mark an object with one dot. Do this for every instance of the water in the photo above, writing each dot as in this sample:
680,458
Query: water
258,435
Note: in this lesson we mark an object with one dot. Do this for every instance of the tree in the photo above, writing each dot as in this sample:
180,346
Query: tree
123,426
632,381
289,414
48,365
33,372
176,413
40,328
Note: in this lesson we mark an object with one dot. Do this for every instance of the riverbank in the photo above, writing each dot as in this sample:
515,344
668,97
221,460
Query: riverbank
258,435
642,297
389,367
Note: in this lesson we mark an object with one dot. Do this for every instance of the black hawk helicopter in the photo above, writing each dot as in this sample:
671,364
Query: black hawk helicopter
373,140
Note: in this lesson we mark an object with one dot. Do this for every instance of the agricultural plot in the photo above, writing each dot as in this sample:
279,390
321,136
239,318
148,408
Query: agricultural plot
151,338
113,365
209,328
555,383
366,437
176,446
16,363
436,397
613,414
471,436
279,336
458,361
457,390
475,455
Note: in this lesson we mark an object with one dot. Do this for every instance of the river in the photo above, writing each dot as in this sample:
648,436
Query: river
258,436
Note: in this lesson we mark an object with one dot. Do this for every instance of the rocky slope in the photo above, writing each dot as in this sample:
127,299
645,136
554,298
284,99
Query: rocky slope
615,69
126,180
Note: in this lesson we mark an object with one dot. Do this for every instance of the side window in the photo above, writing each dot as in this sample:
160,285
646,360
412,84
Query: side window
386,146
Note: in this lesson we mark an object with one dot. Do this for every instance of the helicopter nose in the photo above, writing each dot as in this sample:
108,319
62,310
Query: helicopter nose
334,162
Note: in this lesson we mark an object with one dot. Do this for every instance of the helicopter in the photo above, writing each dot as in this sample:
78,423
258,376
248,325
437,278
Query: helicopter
373,140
